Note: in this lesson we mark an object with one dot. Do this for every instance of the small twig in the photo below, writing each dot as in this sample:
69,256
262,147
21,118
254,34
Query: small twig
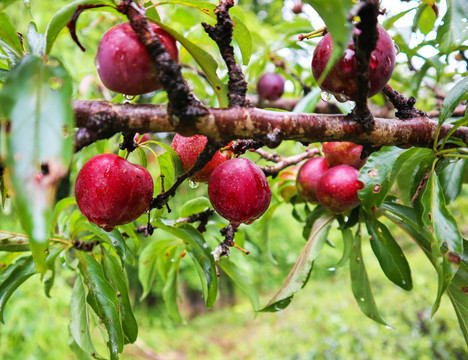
72,23
128,142
203,217
222,249
405,107
239,147
364,43
85,246
205,156
270,156
283,163
221,33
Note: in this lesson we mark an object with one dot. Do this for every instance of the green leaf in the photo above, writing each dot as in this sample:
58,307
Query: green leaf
204,6
391,258
241,35
12,278
453,31
205,61
451,179
36,41
117,277
59,207
9,39
113,238
170,289
5,3
103,300
437,216
36,99
458,293
300,272
62,17
360,283
456,94
241,280
309,102
200,253
424,19
335,14
79,319
195,206
147,269
49,277
13,242
378,175
347,235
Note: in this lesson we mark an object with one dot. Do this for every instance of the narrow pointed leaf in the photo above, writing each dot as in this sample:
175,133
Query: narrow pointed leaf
116,276
195,206
241,35
458,293
451,179
12,278
453,30
241,280
13,243
360,283
391,258
347,246
36,100
113,238
9,37
171,288
456,94
300,272
79,319
104,301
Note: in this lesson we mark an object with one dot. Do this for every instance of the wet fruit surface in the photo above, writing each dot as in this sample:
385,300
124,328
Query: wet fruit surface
111,191
338,189
239,191
343,153
341,80
124,65
270,86
188,149
308,177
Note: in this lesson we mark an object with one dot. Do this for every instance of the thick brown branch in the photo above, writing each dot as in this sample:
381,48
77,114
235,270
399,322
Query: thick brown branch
224,125
221,33
184,106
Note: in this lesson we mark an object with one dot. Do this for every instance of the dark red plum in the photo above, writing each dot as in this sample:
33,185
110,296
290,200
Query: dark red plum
123,63
344,152
188,149
308,177
338,189
270,86
239,191
111,191
341,80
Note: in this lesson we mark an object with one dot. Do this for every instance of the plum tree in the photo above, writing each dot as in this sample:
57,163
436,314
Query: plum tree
55,114
111,191
123,63
239,191
341,80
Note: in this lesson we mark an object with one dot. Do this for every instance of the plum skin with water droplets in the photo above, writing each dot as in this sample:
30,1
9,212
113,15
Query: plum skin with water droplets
188,149
343,152
239,191
337,189
111,191
308,177
123,63
341,80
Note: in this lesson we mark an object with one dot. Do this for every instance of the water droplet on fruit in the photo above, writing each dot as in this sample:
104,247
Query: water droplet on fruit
192,184
325,96
129,97
107,172
397,48
341,98
373,61
347,62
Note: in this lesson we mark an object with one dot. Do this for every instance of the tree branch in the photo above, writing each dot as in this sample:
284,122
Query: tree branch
224,125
